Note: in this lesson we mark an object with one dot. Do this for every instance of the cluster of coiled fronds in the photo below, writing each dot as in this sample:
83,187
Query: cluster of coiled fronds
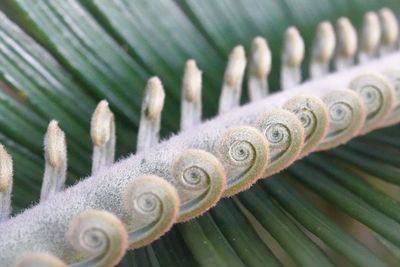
132,202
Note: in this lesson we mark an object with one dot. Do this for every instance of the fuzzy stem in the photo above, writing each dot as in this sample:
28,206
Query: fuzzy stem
105,190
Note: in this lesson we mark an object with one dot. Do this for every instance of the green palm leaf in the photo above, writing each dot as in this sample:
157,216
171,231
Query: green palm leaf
59,58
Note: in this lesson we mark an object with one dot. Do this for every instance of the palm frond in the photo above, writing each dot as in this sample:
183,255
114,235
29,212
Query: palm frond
338,207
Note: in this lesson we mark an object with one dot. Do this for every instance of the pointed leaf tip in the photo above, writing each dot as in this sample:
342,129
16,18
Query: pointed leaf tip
236,66
101,124
347,38
153,101
54,145
260,58
371,32
390,27
293,52
325,42
6,169
192,81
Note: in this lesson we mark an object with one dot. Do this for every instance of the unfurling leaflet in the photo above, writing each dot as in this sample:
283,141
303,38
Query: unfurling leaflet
285,135
152,205
200,179
244,154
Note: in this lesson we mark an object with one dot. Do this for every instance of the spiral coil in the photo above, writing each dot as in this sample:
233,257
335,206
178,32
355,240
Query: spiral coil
313,115
200,179
285,135
228,159
152,204
244,154
378,95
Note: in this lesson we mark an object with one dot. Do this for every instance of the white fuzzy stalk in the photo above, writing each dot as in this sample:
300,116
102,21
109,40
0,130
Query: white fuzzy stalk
370,37
98,237
102,131
43,227
191,96
150,117
55,172
233,79
259,69
390,31
6,182
346,46
292,57
322,50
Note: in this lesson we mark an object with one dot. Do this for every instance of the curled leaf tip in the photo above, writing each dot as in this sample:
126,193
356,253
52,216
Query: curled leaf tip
378,95
191,81
99,236
101,124
55,145
153,101
200,180
285,135
153,206
39,259
393,75
347,114
313,114
244,153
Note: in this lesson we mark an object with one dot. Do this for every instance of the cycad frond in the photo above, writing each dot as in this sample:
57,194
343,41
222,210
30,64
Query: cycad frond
98,49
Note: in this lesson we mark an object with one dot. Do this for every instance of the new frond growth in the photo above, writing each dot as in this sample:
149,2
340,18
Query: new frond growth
322,50
6,182
102,131
259,69
292,57
390,30
233,78
150,118
347,43
191,96
151,203
370,37
55,153
181,178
